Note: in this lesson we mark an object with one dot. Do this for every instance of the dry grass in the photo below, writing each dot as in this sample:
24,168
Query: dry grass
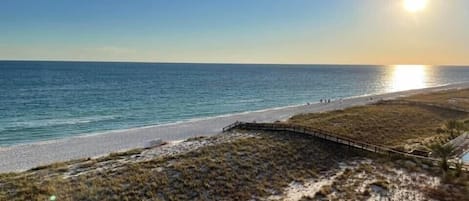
239,170
456,98
243,169
390,124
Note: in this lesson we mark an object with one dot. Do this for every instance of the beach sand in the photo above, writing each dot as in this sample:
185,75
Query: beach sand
26,156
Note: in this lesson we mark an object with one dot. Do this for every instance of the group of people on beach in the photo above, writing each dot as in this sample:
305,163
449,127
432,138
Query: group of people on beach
325,100
322,101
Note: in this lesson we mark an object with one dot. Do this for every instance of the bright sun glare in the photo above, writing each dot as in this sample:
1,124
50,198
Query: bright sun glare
415,5
405,77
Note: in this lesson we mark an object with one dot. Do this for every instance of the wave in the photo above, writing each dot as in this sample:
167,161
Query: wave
248,100
191,120
40,123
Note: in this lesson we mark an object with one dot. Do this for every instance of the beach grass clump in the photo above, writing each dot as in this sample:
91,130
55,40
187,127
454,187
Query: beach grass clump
55,166
124,153
242,169
390,124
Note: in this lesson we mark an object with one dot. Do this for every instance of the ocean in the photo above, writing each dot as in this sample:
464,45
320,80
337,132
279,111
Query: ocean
42,100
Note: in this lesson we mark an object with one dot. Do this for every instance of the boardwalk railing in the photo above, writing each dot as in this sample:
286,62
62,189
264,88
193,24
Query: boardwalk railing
231,126
325,135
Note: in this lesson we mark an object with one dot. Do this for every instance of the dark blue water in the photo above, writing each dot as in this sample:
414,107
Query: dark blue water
49,100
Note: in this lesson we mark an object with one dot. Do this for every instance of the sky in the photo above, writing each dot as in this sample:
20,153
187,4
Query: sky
241,31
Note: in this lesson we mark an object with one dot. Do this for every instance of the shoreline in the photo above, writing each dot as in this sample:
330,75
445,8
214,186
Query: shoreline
130,129
25,156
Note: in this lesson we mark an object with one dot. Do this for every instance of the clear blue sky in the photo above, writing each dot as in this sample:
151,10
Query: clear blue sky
241,31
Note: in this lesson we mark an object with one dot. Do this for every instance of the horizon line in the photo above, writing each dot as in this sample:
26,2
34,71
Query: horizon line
224,63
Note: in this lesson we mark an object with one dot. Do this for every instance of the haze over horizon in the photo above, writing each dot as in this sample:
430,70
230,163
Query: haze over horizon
262,31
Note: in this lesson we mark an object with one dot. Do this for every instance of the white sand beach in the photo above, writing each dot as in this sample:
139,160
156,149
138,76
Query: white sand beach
26,156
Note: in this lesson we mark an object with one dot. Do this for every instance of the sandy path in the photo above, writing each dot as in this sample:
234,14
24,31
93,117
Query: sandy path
22,157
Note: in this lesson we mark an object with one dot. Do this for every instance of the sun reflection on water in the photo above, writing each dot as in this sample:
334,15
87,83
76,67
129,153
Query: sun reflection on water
406,77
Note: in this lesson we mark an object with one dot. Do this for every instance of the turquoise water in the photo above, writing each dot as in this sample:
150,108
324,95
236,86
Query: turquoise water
50,100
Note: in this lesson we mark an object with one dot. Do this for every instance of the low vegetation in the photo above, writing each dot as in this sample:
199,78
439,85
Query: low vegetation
386,123
458,98
240,170
385,180
443,152
253,168
454,127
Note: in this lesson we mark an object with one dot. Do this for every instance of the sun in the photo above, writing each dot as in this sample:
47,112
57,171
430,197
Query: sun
414,6
406,77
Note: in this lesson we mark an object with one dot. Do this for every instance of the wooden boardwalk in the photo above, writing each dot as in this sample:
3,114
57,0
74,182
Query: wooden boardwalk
325,135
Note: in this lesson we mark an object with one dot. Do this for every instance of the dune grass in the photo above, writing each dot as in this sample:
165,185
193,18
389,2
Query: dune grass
240,170
456,97
250,168
390,124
